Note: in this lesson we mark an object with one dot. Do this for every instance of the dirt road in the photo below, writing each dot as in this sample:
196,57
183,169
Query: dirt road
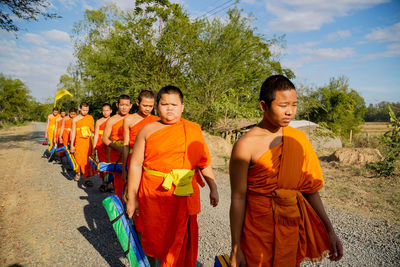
46,219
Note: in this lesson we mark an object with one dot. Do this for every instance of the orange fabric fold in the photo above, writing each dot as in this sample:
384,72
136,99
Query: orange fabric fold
117,134
67,131
170,231
58,129
100,147
280,227
83,145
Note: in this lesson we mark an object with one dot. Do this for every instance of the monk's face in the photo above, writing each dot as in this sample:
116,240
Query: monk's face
63,113
282,110
145,106
84,111
170,108
106,110
55,113
124,106
72,115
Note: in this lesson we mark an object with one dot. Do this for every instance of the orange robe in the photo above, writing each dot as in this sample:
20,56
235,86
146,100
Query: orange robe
58,132
50,131
67,131
83,145
135,130
280,227
100,147
117,136
168,223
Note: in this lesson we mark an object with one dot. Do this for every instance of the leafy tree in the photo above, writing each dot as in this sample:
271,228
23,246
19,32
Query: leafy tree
218,64
335,106
390,148
22,9
378,112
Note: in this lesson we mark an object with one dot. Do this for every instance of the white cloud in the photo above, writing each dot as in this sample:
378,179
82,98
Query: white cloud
56,35
392,50
251,2
342,34
307,15
388,34
34,39
39,67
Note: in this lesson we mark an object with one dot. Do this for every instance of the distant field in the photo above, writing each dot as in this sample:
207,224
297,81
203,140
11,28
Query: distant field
374,128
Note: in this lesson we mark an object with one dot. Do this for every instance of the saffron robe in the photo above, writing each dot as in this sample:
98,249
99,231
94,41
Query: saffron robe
100,147
83,144
50,130
117,136
280,227
135,130
67,131
168,223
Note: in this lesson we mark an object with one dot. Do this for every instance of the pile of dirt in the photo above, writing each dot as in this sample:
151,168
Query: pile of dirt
220,150
355,156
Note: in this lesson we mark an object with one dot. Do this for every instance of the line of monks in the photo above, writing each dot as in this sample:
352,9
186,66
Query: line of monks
276,215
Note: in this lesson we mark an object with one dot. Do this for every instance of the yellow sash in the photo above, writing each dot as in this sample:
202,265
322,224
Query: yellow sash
119,143
181,178
101,132
85,131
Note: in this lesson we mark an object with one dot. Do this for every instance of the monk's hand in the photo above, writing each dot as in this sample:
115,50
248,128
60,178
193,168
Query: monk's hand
94,152
131,208
214,197
124,175
61,140
237,258
337,249
72,149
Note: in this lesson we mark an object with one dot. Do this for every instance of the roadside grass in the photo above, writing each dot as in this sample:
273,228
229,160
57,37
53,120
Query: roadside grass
353,189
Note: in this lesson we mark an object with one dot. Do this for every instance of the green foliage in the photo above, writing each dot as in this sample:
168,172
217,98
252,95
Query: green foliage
390,148
16,105
218,64
339,108
378,112
22,9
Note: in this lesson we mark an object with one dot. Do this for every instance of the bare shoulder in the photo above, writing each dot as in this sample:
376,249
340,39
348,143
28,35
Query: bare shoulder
247,143
50,116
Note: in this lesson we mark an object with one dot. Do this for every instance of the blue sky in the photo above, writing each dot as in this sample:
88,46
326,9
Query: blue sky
359,39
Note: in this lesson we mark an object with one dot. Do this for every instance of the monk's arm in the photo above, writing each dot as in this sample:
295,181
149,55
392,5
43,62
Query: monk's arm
107,136
96,136
60,139
135,172
73,135
209,176
125,152
47,126
315,201
238,168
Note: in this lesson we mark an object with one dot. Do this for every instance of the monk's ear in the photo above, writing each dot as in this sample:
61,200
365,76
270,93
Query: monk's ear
183,106
263,106
137,103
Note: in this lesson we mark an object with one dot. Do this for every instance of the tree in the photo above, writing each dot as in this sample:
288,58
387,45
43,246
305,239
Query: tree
23,9
335,106
218,64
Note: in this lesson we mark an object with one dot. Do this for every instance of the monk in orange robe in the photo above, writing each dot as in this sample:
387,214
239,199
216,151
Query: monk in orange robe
66,127
99,148
51,120
82,129
133,123
114,139
57,127
163,183
277,216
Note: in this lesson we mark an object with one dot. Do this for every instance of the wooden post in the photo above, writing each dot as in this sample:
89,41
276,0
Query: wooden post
351,135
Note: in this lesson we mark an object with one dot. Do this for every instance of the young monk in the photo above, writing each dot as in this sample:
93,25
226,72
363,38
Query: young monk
98,145
114,139
66,127
57,128
82,129
49,134
276,215
162,183
133,123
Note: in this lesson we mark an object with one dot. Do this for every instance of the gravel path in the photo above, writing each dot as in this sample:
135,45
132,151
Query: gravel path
48,220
